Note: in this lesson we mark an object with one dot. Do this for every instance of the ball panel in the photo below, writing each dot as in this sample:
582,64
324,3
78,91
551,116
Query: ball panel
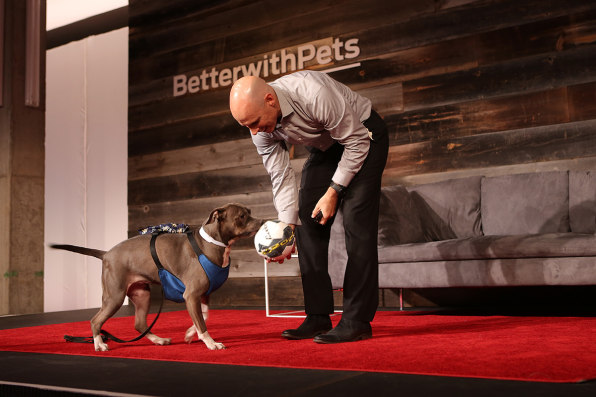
274,239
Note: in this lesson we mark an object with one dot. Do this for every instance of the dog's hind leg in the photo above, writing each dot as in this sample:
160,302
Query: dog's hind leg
113,286
109,306
140,295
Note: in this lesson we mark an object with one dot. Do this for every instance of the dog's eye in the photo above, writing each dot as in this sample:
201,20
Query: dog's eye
241,219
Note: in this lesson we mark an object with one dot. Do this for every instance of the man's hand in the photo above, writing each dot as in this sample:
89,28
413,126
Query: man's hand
327,205
289,256
281,259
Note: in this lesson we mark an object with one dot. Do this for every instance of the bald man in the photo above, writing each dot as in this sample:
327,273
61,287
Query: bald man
348,146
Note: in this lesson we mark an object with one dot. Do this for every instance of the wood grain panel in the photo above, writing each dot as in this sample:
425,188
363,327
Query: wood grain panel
215,104
582,101
194,159
250,292
247,263
438,25
272,33
478,117
233,153
147,13
373,71
196,211
546,143
557,34
530,39
536,73
178,135
223,182
217,22
186,108
214,17
435,59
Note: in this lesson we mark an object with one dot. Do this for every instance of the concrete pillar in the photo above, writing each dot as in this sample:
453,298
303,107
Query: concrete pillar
22,134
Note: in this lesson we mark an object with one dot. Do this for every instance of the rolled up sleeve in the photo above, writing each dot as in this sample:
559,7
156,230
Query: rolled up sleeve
345,126
276,160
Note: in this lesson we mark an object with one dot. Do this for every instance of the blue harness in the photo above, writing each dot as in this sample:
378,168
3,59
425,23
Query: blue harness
172,286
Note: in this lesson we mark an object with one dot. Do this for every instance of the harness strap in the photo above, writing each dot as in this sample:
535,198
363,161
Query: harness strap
194,245
153,250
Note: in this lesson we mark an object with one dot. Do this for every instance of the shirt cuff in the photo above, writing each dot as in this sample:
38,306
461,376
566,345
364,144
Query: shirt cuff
289,217
342,178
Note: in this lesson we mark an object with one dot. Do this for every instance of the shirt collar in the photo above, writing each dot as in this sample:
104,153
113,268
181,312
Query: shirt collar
284,104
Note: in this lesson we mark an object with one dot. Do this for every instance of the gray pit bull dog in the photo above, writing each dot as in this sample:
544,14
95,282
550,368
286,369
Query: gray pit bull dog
128,269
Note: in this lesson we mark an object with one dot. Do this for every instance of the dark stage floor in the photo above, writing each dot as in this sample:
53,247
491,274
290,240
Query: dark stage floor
31,374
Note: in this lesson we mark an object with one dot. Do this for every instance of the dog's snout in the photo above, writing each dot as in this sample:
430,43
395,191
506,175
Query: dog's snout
255,224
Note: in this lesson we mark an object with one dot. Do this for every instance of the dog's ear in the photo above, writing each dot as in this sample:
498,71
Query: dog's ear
216,214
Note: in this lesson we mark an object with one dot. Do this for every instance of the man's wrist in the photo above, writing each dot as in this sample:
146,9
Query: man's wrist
341,190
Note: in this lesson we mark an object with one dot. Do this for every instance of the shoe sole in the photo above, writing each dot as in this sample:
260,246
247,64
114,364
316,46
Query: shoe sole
291,337
356,339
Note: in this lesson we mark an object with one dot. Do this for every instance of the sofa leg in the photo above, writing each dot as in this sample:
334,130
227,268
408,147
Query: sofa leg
401,299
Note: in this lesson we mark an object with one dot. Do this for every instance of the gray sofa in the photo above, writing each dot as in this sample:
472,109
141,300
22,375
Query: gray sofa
511,230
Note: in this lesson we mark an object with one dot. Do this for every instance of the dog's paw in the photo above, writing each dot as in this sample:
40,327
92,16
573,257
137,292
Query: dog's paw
190,334
210,343
213,345
103,348
159,341
100,346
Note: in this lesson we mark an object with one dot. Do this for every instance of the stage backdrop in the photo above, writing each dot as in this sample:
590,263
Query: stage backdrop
86,139
466,87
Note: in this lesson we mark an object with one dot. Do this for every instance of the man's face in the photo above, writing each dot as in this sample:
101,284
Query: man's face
260,117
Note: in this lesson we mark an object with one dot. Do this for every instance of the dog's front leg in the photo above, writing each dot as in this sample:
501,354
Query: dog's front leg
193,305
191,331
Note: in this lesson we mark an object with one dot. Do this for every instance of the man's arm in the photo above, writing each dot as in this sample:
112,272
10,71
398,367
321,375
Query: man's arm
276,160
344,125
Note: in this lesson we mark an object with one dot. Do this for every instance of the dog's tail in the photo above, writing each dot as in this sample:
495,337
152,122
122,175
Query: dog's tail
80,250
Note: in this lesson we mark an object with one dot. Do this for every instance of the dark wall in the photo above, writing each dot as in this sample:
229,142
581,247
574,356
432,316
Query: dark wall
466,86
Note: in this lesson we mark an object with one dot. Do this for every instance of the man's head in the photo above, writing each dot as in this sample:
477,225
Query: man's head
254,104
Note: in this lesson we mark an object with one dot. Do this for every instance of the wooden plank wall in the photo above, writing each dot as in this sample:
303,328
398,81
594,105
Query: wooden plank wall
466,86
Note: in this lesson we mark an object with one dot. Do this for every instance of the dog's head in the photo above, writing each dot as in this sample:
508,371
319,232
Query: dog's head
234,221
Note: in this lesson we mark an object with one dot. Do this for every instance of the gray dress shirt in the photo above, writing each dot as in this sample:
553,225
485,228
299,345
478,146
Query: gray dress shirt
316,111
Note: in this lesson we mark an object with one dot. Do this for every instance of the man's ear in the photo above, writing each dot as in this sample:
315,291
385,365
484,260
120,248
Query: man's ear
216,215
270,99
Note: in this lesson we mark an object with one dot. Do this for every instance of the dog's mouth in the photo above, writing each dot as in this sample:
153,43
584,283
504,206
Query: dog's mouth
241,236
248,234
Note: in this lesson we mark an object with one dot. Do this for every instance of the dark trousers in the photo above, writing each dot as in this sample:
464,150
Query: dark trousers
360,208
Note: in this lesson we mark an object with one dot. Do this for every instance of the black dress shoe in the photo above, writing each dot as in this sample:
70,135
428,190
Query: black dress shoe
313,325
346,331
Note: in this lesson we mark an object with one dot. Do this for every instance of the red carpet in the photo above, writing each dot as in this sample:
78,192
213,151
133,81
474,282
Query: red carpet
548,349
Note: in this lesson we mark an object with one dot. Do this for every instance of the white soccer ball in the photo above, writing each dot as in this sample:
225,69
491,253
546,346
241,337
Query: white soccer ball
274,240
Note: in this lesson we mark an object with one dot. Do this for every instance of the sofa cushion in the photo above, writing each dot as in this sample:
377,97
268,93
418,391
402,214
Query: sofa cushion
577,270
582,201
526,203
551,245
399,222
449,209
